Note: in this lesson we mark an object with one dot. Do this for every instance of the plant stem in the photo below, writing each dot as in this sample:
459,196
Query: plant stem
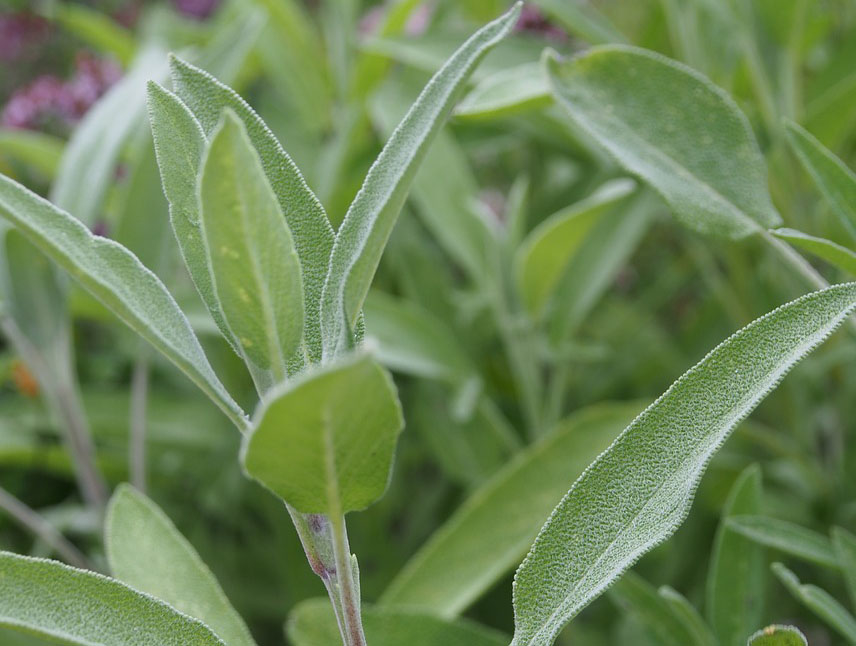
348,586
137,421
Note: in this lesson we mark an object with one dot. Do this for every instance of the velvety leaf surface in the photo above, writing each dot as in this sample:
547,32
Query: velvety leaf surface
147,552
371,216
787,537
841,257
674,129
326,439
78,607
637,493
778,636
506,92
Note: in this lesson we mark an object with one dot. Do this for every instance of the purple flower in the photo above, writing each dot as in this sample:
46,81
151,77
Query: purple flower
199,9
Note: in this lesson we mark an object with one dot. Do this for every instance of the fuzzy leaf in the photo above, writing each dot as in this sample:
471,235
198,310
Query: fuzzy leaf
673,128
845,549
325,440
787,537
637,493
371,216
74,606
841,257
148,553
506,92
778,636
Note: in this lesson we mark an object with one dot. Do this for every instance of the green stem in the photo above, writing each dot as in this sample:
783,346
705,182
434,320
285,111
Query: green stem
349,592
137,421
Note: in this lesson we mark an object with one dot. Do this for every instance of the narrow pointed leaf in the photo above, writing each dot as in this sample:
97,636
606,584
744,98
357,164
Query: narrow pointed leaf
787,537
325,440
147,552
370,218
778,636
637,493
841,257
254,266
115,276
505,93
72,606
688,616
845,549
306,219
669,125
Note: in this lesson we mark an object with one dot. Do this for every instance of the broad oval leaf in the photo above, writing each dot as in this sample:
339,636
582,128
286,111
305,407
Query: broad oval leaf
506,92
787,537
637,493
371,216
778,636
841,257
325,440
674,129
118,279
74,606
254,265
147,552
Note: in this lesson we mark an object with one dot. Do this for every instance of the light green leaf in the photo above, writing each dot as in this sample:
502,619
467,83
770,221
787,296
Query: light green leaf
841,257
689,616
582,19
834,179
787,537
736,579
545,253
97,29
148,553
778,636
115,276
312,623
38,150
74,606
491,531
372,214
254,266
696,150
506,92
88,165
313,236
637,493
325,440
819,601
845,549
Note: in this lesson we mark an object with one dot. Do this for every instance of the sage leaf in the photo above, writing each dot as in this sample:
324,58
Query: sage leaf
115,276
312,623
835,180
637,493
371,216
72,606
306,219
737,563
819,601
38,150
324,441
505,93
688,616
147,552
491,531
675,130
845,549
778,636
786,537
254,265
841,257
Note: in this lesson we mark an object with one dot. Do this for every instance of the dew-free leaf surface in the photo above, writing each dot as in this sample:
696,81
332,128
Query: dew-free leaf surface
778,636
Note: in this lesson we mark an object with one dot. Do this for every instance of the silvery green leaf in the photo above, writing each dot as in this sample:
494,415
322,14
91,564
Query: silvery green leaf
778,636
787,537
506,92
840,256
638,492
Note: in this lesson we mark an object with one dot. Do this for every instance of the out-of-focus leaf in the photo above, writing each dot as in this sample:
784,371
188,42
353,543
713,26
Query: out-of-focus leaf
365,230
324,441
582,19
698,153
74,606
689,616
778,636
97,29
148,553
820,602
35,149
312,623
637,493
735,581
507,92
786,537
845,549
490,532
841,257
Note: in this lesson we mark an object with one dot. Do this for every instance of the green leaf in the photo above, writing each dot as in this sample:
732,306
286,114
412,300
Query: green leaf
38,150
313,236
115,276
736,579
372,214
819,601
254,265
74,606
673,128
841,257
689,616
778,636
545,254
582,19
637,493
147,552
834,179
491,531
97,29
325,440
312,623
786,537
506,92
845,549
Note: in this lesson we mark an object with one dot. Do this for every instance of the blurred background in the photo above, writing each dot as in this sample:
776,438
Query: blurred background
484,373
